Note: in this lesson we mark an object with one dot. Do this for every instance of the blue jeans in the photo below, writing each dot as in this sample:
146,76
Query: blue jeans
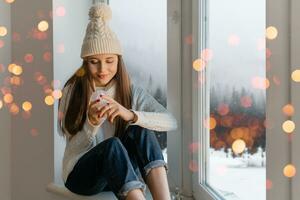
117,165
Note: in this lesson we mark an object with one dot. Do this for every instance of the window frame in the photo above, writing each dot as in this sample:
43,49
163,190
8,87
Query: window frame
285,48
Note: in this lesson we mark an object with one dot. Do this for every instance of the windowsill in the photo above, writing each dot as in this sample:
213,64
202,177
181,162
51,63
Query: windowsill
61,190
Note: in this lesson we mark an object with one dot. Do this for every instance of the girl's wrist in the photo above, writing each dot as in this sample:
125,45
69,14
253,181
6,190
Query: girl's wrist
133,118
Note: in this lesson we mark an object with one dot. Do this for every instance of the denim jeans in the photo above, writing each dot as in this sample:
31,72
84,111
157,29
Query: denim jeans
117,165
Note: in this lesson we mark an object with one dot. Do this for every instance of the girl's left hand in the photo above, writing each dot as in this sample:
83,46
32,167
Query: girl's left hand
114,109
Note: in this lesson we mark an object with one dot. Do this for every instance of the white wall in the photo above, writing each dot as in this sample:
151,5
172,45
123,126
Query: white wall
5,120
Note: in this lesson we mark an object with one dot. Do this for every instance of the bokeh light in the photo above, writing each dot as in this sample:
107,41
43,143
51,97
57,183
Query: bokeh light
271,32
43,26
206,54
17,70
289,170
8,98
198,65
9,1
288,110
14,109
238,146
193,166
296,75
223,109
260,82
269,184
80,72
28,58
1,43
34,132
288,126
49,100
60,11
26,106
233,40
57,94
246,101
3,31
1,103
60,48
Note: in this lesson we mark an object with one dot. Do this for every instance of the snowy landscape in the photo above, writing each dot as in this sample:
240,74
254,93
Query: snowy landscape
242,178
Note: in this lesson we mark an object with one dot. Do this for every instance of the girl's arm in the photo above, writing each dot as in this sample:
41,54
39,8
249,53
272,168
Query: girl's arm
150,113
83,138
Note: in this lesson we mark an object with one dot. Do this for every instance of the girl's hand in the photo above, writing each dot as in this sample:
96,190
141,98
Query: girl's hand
92,113
114,109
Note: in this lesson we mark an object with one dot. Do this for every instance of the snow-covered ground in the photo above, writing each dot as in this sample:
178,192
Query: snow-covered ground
242,178
239,178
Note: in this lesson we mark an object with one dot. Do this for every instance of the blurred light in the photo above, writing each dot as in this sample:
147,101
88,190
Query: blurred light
234,40
238,146
288,126
10,67
28,58
1,43
193,147
15,80
260,82
80,72
61,48
2,68
55,83
296,75
1,103
276,80
16,37
9,1
237,133
60,11
57,94
198,64
34,132
246,101
17,70
212,123
8,98
269,184
289,170
206,54
268,53
14,109
43,26
288,109
223,109
193,166
188,39
47,56
271,32
26,106
49,100
3,31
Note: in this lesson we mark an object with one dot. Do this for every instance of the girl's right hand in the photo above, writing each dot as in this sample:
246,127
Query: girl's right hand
93,112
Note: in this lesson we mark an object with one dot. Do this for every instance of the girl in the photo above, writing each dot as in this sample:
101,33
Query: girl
111,147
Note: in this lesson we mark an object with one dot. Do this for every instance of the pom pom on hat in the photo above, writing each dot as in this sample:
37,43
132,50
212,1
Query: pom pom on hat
100,10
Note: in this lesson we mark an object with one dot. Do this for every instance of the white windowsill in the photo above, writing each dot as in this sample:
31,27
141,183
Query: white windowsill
63,191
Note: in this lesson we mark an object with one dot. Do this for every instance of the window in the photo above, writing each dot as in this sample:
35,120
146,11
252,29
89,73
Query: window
231,85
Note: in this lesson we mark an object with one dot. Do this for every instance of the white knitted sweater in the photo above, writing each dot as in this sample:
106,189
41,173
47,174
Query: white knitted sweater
151,115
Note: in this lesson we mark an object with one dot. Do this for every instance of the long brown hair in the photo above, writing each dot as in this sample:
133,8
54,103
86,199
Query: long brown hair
81,89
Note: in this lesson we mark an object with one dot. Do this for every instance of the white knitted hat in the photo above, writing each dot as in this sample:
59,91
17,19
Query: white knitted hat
99,38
